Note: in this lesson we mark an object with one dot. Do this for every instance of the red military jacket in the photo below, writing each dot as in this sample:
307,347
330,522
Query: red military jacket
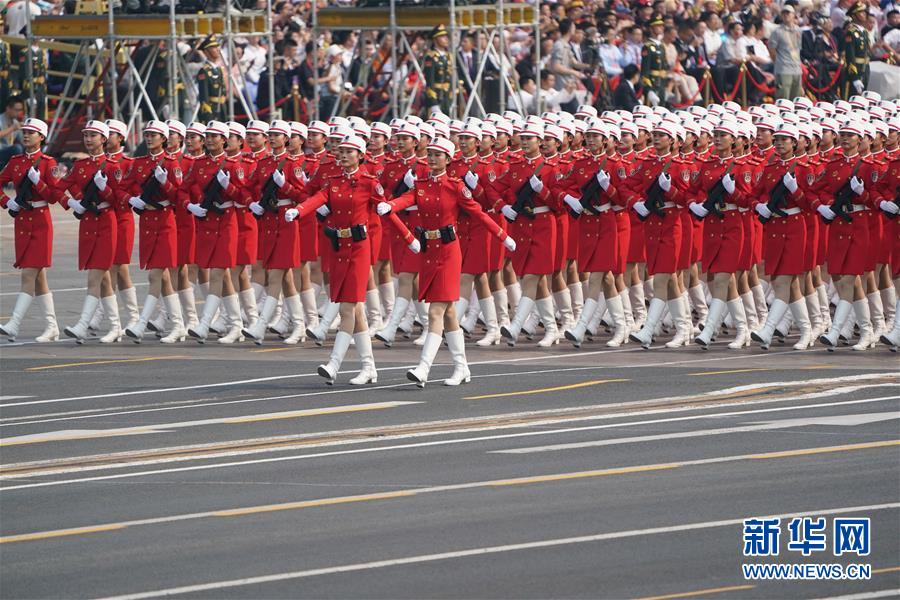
647,170
503,190
264,168
17,168
141,168
122,167
489,167
82,173
773,172
836,173
582,171
203,170
394,170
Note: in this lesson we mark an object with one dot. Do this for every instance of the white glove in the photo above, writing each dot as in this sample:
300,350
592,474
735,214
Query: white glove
161,174
536,184
764,211
698,209
383,208
471,179
889,207
603,180
13,206
324,210
291,214
278,178
256,208
304,177
224,179
196,210
727,183
509,213
76,206
415,246
858,86
640,209
790,182
410,179
34,175
574,203
509,244
826,212
664,181
856,184
137,202
653,97
99,180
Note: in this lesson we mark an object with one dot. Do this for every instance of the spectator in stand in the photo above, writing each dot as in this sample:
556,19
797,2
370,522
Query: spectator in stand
633,47
785,44
10,124
625,96
610,54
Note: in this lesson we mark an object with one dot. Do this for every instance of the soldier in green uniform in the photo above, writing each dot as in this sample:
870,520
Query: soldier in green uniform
5,62
654,67
437,70
211,83
37,85
856,51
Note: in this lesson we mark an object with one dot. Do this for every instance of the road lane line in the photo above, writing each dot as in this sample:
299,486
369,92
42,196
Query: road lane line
560,388
695,593
107,362
507,361
482,551
866,595
74,289
366,436
408,493
885,570
164,427
728,372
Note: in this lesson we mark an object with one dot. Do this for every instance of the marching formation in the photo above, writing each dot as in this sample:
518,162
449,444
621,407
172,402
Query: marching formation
693,225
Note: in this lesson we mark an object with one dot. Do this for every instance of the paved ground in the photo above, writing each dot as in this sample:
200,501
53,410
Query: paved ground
211,472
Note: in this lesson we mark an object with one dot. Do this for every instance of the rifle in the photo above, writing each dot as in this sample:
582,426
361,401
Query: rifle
655,195
524,203
90,195
714,197
778,198
150,190
896,201
25,191
268,199
843,198
212,193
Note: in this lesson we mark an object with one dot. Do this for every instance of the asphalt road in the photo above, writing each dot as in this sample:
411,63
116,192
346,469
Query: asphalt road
234,472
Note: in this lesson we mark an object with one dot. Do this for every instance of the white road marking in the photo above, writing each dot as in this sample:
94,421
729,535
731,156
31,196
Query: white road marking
866,595
2,398
425,558
78,434
73,289
296,457
844,420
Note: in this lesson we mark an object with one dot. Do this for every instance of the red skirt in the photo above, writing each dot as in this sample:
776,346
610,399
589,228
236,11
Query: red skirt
536,244
687,239
663,236
876,237
248,237
349,271
402,258
158,247
309,239
745,261
475,246
697,240
280,248
723,242
498,250
186,224
885,251
384,250
97,236
572,239
892,237
34,238
439,269
598,243
623,227
562,242
810,253
637,245
756,230
784,245
217,237
374,233
848,246
124,237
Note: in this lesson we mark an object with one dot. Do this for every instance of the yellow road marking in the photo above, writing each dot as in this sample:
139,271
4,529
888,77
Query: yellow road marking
826,449
885,570
436,489
67,438
705,373
312,503
545,390
277,349
105,362
313,412
28,537
705,592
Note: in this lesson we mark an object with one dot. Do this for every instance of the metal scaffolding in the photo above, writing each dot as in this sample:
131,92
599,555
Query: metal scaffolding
99,62
491,19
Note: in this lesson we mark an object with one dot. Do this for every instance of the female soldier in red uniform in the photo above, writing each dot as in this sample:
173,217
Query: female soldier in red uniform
440,198
350,197
97,230
188,273
33,228
217,232
158,174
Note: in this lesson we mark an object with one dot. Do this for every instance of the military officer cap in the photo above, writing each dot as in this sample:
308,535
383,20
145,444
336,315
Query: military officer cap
35,125
299,129
857,7
97,127
235,128
442,145
176,127
440,129
116,126
196,127
353,142
438,31
159,127
471,129
208,42
382,128
656,20
257,126
218,128
426,130
280,126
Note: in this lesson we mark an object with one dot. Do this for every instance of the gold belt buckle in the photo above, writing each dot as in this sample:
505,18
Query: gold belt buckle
344,233
432,234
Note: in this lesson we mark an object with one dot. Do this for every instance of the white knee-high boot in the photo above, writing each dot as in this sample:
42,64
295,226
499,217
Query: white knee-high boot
51,327
456,342
330,369
714,317
111,308
489,314
201,331
179,331
136,332
429,350
801,318
79,331
367,374
11,328
523,311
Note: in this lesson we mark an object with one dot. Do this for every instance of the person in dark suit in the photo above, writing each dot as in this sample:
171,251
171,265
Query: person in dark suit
467,61
625,97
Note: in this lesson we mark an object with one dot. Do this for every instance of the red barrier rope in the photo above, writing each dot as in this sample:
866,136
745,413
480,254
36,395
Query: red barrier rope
263,110
831,84
731,96
760,86
696,95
